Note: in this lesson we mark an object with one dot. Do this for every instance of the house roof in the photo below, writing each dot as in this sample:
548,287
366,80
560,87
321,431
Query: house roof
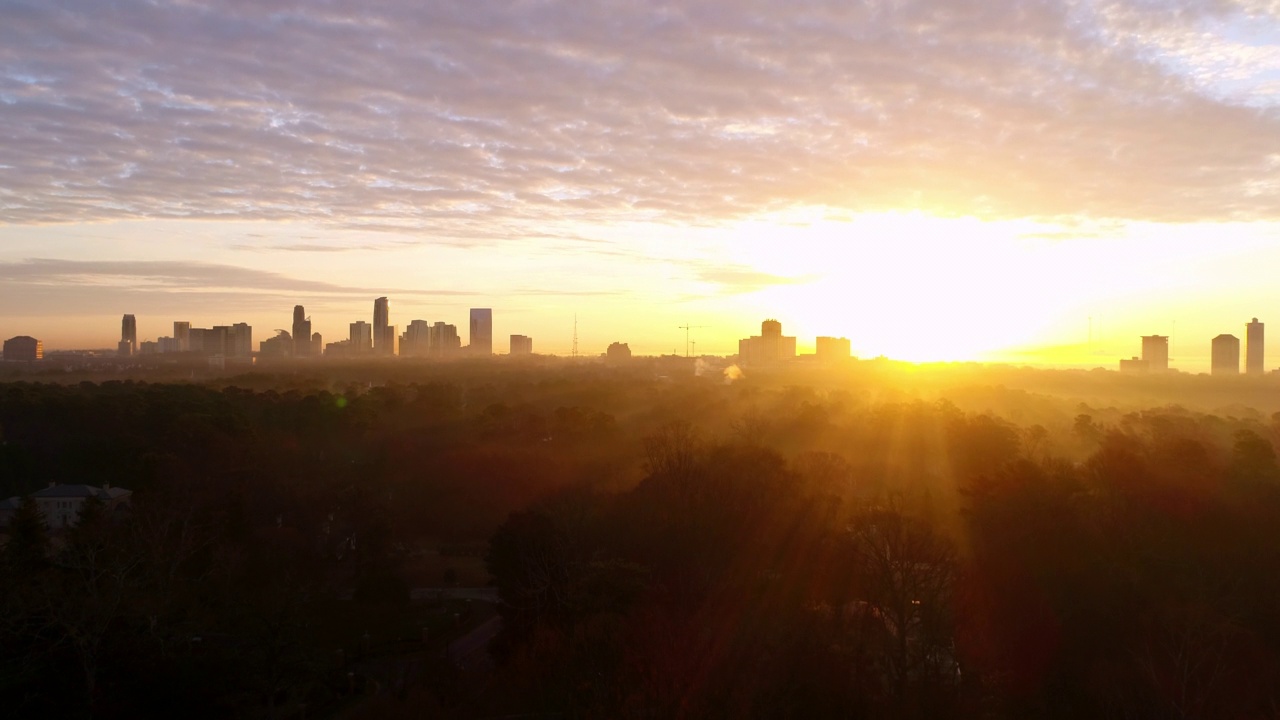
81,491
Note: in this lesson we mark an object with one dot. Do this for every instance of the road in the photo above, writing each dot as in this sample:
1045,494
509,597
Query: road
470,652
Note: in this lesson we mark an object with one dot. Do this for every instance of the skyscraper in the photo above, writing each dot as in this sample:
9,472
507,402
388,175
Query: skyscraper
1226,355
382,344
521,345
218,340
128,336
301,332
182,335
481,331
360,340
444,340
416,341
1253,363
1155,352
240,342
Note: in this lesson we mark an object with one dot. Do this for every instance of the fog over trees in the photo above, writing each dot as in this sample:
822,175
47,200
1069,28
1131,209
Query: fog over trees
869,541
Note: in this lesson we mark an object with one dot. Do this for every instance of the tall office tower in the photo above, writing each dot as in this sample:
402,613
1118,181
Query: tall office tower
1226,355
1155,352
481,331
521,345
301,332
381,318
1253,348
128,336
444,340
360,338
279,346
317,344
416,341
240,341
182,335
217,340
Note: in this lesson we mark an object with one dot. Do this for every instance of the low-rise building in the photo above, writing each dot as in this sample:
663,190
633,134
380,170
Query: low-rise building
61,503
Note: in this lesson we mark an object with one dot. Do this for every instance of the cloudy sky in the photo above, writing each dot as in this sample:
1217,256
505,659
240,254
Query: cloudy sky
935,179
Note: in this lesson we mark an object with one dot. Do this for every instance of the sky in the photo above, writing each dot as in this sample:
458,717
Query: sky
1006,180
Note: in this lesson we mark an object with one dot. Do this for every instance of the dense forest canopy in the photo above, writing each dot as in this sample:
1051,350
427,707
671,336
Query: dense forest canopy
875,540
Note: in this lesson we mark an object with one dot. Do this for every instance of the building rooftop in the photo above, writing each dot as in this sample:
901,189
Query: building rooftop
81,491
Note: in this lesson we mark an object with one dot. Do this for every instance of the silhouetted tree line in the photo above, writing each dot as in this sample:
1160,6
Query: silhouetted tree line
663,548
1138,581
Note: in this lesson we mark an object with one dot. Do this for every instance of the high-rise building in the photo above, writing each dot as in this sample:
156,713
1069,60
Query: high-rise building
481,331
383,341
301,332
128,336
279,346
832,348
770,346
317,344
240,341
1155,352
445,341
521,345
361,338
23,349
218,340
1253,363
416,340
1226,355
617,352
182,335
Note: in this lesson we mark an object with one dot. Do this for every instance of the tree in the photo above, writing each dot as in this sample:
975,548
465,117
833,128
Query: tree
905,573
28,547
673,450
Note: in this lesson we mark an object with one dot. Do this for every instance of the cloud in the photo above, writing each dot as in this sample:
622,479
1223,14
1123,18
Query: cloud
736,279
176,277
475,121
310,248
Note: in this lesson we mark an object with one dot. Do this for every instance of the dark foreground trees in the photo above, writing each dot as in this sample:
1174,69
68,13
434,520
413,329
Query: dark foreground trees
1137,583
661,549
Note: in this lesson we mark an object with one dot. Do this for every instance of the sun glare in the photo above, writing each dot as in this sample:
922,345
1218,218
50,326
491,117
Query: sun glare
912,286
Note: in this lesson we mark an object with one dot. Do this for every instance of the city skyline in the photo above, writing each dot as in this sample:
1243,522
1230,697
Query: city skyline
422,339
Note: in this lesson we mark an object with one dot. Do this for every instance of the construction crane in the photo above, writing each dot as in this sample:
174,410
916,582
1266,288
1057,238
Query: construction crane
686,328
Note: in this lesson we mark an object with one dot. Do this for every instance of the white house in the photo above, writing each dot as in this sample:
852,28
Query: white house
60,504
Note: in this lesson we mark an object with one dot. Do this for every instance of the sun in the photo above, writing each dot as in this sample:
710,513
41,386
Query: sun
910,286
